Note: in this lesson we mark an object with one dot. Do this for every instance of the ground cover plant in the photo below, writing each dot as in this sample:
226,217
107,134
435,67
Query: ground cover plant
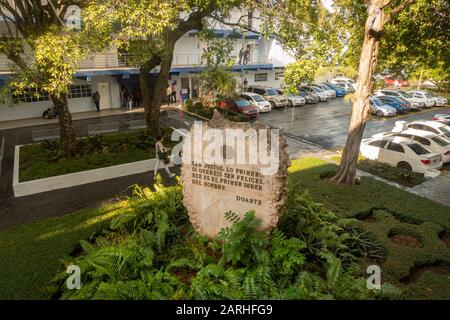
46,159
394,218
152,252
208,112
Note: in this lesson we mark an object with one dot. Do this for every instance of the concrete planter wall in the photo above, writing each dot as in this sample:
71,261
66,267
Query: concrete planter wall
22,189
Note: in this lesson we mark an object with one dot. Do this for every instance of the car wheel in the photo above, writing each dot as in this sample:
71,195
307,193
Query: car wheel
290,104
379,113
404,165
272,104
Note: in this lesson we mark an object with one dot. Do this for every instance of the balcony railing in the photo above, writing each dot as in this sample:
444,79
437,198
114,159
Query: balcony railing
125,61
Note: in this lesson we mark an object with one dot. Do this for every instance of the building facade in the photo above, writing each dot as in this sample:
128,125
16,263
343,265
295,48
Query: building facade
111,72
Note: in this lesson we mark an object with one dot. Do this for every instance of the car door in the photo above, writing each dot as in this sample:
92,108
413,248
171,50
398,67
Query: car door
374,149
393,153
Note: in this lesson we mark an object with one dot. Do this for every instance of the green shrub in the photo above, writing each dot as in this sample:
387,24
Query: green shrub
152,252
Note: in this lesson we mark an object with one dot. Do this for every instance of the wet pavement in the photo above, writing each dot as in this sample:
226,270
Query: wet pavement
326,123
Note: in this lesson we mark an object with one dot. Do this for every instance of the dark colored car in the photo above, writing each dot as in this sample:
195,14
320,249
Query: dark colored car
310,98
340,92
240,105
402,106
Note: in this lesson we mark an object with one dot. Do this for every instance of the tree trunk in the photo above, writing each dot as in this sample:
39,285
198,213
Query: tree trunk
67,135
361,108
144,76
152,116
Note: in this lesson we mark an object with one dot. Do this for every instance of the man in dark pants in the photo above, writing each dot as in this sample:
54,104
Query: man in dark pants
96,98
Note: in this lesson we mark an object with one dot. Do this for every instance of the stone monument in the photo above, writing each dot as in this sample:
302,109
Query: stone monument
238,167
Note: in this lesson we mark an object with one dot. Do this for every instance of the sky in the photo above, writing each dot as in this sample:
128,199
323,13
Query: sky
328,3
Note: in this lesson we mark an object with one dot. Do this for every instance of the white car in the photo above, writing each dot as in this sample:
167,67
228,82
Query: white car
380,109
294,100
444,118
258,101
429,140
435,127
402,153
401,94
345,83
331,93
322,94
438,100
424,97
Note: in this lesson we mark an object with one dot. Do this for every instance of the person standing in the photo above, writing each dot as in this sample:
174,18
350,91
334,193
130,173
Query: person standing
241,55
96,98
169,94
162,158
246,55
174,92
396,84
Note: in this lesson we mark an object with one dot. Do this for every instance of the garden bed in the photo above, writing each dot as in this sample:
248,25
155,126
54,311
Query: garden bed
207,112
385,171
44,160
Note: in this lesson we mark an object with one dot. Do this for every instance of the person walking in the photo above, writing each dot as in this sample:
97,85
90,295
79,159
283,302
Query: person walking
130,102
169,94
162,158
96,98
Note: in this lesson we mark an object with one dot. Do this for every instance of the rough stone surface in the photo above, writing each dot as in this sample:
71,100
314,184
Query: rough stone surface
210,191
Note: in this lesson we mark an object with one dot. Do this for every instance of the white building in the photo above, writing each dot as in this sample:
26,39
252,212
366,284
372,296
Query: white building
111,71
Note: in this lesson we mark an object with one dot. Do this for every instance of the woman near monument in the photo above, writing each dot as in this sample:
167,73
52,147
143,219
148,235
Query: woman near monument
162,157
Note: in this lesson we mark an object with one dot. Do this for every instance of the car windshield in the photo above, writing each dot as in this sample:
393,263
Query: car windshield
377,102
241,103
257,98
431,94
404,94
271,92
440,141
318,89
418,149
445,131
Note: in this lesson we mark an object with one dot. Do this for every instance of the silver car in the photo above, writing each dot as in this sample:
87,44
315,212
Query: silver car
439,101
380,109
262,104
293,100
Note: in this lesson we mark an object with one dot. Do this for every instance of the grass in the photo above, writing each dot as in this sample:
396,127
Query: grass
31,254
385,171
43,160
393,211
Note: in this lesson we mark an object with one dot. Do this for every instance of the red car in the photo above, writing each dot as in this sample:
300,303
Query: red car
391,82
240,106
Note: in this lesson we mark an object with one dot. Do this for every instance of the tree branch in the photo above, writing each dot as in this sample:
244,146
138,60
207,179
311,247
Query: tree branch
394,12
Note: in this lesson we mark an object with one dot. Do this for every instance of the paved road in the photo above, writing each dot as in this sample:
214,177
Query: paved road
326,123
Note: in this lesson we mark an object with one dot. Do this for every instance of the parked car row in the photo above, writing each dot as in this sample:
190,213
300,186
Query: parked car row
384,101
418,146
259,99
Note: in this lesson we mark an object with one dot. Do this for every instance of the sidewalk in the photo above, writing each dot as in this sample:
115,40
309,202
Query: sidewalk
13,124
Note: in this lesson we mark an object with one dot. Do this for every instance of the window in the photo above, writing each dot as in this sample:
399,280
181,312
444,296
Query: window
80,91
418,149
279,75
423,127
260,77
440,141
378,143
29,95
395,147
421,140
